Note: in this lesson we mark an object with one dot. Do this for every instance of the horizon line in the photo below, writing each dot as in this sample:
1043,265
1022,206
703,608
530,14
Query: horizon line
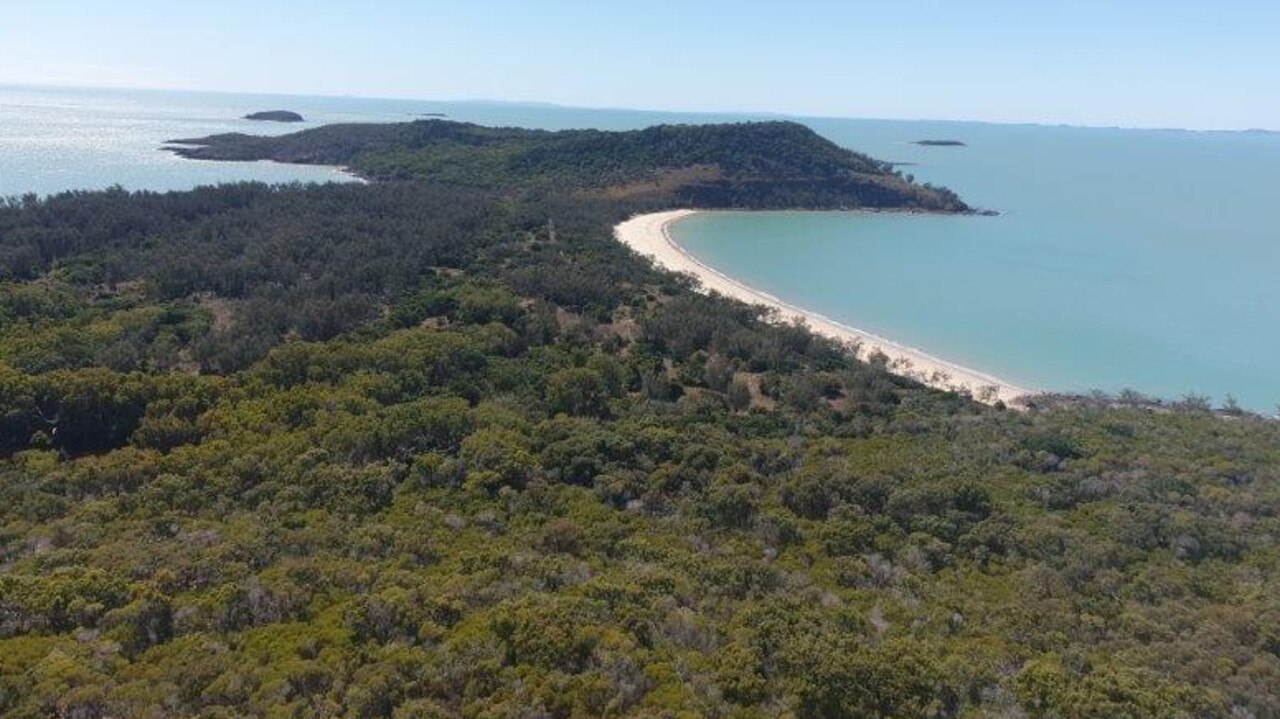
612,108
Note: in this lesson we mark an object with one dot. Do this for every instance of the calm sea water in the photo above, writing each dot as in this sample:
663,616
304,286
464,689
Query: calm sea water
56,139
1138,259
1147,260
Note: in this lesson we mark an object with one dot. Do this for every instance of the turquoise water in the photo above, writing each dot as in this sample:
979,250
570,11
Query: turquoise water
1124,258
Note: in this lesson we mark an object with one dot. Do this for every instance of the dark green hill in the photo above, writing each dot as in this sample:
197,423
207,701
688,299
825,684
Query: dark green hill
767,164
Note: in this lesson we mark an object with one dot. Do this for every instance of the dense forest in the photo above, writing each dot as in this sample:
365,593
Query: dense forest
431,448
756,165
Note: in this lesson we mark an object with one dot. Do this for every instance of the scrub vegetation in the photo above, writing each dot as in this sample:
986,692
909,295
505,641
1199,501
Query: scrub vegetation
443,448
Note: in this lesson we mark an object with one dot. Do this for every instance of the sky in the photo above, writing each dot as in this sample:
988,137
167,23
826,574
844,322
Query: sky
1138,63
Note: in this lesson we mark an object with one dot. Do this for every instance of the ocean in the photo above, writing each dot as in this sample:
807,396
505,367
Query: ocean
1122,259
1139,259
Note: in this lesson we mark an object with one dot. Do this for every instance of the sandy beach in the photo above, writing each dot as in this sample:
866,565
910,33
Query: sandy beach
649,236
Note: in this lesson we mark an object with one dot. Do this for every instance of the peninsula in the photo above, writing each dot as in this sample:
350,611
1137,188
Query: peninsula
776,165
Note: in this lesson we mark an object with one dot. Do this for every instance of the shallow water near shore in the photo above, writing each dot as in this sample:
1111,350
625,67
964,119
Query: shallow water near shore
1139,259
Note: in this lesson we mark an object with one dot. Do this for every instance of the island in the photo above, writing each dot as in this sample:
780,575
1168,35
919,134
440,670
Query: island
275,116
940,143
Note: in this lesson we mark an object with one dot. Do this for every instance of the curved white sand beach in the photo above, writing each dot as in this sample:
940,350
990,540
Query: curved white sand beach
649,236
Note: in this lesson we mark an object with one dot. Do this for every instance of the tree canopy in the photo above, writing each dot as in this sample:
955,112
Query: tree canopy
759,164
419,449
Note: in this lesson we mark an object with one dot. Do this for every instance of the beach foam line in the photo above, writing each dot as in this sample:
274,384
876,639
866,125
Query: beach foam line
649,235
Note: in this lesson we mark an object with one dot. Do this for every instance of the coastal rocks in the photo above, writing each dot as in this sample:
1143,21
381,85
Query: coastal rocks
940,143
275,116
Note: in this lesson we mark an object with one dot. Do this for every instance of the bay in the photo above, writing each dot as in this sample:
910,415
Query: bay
1139,259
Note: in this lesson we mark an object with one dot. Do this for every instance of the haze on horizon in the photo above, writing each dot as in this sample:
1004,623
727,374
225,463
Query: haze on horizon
1175,63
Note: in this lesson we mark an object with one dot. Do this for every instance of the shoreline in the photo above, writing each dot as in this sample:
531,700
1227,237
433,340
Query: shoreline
649,235
175,148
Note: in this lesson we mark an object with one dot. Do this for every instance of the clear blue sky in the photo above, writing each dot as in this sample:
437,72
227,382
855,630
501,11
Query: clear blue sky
1202,64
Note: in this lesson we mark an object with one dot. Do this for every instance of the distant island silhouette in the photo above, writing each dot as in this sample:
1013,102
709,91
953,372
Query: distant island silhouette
275,116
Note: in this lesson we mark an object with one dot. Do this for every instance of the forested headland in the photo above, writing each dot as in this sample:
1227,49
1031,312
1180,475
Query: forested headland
758,165
438,446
